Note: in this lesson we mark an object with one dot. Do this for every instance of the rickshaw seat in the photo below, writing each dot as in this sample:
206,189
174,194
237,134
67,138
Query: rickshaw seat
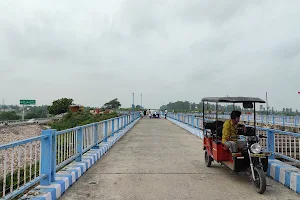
212,126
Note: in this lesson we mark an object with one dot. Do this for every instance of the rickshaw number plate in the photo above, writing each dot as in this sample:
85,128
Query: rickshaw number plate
258,155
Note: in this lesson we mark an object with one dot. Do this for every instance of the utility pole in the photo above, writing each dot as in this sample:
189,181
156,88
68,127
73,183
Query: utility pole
132,113
23,113
267,103
141,100
3,104
132,102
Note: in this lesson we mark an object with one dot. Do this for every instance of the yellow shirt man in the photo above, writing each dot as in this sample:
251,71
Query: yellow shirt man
229,129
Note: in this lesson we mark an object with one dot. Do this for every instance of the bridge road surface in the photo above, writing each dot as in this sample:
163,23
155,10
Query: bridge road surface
158,160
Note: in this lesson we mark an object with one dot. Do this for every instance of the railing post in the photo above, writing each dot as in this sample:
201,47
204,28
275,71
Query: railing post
48,158
193,121
197,123
53,160
96,136
112,127
118,124
273,120
79,144
271,142
105,131
123,121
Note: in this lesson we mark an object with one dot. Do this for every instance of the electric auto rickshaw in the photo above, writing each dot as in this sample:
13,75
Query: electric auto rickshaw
251,159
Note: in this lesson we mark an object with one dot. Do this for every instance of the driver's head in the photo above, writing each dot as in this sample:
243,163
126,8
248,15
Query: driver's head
235,116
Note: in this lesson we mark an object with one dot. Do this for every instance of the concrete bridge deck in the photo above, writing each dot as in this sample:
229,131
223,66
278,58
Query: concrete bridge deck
159,160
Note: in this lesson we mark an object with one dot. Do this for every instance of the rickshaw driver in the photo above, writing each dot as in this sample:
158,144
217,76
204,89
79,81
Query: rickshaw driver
230,129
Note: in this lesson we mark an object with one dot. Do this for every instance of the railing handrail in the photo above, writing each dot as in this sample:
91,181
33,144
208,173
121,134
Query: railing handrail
21,142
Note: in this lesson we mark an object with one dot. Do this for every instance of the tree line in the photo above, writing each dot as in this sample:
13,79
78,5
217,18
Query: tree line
186,106
31,112
57,107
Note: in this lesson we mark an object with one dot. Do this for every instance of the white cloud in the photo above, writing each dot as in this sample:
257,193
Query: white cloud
167,50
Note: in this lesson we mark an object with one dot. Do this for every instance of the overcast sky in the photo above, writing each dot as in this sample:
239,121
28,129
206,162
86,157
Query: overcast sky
94,51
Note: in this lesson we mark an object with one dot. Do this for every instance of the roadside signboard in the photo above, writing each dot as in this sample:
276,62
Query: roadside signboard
27,102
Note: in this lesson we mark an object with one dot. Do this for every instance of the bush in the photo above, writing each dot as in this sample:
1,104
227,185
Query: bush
71,120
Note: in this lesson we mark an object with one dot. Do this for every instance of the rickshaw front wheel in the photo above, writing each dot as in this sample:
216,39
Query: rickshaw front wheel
260,180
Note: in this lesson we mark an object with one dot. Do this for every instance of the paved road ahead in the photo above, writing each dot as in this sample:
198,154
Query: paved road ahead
159,160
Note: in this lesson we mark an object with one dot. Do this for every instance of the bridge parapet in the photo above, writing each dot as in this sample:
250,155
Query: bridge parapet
34,161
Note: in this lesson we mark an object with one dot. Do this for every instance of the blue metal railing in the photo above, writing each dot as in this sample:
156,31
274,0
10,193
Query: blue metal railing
26,163
282,144
292,121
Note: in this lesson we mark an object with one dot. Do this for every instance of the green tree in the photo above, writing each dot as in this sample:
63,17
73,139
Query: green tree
38,112
9,116
138,107
31,116
60,106
113,104
193,106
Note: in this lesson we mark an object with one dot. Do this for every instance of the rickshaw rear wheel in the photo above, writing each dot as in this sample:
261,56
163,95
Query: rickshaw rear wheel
260,180
208,159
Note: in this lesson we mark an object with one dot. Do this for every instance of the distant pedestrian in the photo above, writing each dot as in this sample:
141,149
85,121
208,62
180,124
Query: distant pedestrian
166,113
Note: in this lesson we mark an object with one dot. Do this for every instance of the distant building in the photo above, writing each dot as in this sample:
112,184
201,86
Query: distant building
76,108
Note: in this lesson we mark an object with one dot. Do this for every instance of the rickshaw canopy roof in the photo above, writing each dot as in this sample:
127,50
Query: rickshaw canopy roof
233,99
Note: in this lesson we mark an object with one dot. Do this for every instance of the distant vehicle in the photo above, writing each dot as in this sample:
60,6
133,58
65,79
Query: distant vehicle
33,121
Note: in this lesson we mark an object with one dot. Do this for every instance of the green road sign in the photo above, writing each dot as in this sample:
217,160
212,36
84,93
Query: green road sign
27,102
